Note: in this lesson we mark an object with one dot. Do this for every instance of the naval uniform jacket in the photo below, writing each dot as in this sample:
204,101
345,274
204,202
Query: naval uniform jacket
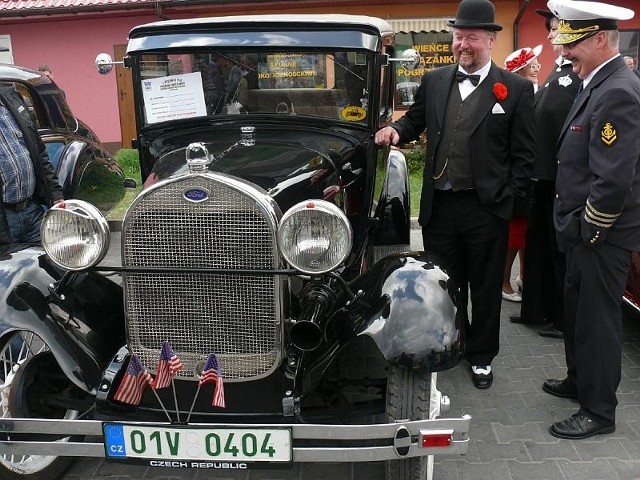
598,179
48,189
501,144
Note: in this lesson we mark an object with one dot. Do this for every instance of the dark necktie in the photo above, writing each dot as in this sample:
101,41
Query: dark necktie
474,79
579,92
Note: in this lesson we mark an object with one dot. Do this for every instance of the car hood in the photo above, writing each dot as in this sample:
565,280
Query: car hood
290,164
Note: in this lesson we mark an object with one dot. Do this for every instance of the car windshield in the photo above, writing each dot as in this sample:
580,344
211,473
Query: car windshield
329,84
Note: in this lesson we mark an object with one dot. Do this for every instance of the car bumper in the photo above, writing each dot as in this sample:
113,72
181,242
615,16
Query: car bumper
357,443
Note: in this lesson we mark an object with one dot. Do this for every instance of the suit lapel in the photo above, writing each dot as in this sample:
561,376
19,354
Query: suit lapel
600,77
487,99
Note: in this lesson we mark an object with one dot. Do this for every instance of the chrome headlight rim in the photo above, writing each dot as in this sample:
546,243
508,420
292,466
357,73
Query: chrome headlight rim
323,207
97,221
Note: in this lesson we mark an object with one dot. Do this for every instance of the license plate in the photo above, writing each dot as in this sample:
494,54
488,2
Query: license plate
124,441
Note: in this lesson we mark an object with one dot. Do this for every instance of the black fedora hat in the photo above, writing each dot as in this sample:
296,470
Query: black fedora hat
476,14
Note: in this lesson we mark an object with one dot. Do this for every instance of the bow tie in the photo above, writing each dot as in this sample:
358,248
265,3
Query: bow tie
461,77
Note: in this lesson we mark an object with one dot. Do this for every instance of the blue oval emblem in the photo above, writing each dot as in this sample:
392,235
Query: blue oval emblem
196,195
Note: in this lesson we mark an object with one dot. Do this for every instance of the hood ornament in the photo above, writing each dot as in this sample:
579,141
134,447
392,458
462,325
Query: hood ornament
198,158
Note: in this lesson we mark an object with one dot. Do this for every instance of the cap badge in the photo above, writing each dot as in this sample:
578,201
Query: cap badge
608,134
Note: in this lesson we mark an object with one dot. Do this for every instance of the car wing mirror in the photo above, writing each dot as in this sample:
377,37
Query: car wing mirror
409,60
104,63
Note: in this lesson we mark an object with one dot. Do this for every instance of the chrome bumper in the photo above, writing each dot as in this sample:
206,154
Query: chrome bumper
355,436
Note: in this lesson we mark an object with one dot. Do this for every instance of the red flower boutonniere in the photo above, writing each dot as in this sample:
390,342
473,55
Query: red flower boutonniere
500,91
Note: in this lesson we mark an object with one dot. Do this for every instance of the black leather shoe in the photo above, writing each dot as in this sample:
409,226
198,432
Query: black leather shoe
519,319
482,377
551,331
560,388
579,426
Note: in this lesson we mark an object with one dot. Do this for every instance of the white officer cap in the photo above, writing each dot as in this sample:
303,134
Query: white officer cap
581,19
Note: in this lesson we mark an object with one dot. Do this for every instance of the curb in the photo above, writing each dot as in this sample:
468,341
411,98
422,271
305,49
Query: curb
115,225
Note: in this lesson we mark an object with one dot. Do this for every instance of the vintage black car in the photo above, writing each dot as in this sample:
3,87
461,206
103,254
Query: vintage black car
266,309
85,168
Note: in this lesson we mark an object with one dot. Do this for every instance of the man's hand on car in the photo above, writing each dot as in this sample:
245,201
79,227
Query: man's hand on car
387,136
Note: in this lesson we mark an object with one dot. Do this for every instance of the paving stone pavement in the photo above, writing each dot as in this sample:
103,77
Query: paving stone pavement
509,431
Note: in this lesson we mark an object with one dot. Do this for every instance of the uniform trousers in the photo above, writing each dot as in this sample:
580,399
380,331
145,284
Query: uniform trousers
473,243
594,285
544,264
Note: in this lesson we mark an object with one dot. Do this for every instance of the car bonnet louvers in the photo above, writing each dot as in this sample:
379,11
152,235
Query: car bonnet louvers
204,221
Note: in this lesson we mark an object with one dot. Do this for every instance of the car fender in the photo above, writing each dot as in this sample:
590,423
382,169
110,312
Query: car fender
81,326
412,311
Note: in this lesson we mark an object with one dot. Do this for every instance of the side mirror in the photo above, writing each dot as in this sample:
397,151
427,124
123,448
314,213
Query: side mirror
410,59
104,63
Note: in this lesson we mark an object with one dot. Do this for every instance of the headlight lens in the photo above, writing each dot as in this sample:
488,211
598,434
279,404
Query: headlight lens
315,236
76,236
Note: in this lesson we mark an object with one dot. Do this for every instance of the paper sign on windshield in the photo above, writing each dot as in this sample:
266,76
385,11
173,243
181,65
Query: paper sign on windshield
173,97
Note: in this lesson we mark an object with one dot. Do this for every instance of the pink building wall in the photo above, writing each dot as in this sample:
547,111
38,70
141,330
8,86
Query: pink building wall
70,48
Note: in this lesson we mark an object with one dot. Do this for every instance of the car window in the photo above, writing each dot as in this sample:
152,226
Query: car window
54,149
329,84
25,93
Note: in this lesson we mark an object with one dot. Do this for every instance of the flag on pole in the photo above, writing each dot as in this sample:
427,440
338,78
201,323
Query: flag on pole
135,379
168,365
211,374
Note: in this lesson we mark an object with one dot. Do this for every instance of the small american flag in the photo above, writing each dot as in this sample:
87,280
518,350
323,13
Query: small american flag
135,379
211,374
168,365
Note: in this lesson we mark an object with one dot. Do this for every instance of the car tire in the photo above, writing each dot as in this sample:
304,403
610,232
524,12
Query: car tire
28,371
408,398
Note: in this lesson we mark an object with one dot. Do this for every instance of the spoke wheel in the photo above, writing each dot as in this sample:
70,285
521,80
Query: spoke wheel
29,376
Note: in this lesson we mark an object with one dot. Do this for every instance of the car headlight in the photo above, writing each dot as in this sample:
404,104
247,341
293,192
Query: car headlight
314,236
75,236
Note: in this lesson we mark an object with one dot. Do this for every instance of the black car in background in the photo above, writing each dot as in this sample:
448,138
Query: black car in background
86,170
267,308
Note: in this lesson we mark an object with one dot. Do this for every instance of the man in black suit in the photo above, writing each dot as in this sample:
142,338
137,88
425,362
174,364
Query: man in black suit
480,146
597,210
544,264
27,178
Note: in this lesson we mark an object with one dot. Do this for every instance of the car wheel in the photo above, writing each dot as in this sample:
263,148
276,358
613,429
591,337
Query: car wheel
29,375
408,398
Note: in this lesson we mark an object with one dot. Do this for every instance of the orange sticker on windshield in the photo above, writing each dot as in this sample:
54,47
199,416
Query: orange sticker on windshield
353,113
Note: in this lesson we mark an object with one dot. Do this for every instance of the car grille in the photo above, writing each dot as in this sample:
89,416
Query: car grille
235,316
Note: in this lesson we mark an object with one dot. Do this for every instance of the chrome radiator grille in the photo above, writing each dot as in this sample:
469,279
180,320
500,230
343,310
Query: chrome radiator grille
235,316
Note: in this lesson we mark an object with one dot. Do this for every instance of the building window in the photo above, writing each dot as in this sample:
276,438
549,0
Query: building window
435,51
630,44
6,53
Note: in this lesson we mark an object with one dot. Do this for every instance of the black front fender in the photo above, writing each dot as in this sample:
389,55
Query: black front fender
411,311
83,330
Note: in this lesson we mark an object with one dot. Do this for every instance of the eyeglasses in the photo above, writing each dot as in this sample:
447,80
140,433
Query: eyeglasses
535,67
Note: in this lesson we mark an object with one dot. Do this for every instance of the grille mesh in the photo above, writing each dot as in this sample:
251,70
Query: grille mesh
234,316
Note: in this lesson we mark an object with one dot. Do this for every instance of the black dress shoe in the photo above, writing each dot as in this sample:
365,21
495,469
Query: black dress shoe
560,388
482,376
579,426
551,331
519,319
